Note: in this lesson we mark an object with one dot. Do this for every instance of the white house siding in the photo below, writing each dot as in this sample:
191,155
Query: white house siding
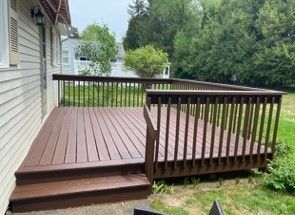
69,45
20,100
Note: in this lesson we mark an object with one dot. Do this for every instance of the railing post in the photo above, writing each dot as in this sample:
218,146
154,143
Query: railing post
275,131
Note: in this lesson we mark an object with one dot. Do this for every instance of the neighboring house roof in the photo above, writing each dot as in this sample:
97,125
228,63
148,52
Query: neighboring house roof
57,10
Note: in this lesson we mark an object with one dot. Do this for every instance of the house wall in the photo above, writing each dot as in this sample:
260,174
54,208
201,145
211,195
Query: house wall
20,99
74,65
69,45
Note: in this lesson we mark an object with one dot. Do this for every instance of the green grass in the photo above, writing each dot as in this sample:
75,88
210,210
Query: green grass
107,95
240,196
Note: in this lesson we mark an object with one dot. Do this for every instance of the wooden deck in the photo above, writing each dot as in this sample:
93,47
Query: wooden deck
97,153
88,137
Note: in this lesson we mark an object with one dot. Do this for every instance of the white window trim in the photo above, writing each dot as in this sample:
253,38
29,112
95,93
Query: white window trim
68,56
4,35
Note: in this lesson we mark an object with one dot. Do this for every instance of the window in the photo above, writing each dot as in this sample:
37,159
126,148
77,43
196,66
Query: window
167,70
83,58
4,41
13,33
65,57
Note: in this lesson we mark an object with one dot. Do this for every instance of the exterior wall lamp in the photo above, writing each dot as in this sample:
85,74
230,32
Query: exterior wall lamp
39,17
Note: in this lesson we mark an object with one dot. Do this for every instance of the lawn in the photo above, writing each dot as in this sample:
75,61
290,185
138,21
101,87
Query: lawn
237,194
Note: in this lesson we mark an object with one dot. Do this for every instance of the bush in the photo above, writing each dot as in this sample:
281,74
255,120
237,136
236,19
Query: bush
146,62
282,175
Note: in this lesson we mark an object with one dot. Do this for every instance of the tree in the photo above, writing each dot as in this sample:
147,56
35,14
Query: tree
157,23
136,27
146,62
245,42
99,45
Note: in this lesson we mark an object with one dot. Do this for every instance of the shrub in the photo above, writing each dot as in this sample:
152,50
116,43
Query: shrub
146,62
282,174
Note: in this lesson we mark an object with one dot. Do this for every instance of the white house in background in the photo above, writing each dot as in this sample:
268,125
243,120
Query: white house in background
73,62
30,32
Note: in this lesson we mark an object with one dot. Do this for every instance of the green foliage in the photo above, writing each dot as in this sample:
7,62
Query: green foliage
282,176
99,45
136,28
146,62
162,187
157,23
249,42
244,42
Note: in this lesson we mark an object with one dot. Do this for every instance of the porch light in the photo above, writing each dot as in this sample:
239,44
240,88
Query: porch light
39,17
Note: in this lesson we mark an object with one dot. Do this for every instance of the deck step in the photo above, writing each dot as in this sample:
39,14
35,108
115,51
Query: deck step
73,172
77,192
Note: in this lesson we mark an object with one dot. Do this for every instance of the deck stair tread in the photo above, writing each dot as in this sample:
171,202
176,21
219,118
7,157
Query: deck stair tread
76,186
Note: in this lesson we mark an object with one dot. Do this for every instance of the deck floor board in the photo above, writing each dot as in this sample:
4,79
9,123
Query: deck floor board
75,137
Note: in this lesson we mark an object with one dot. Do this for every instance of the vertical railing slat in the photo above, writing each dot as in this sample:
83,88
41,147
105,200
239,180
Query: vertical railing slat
222,128
205,130
238,129
213,120
266,144
178,109
196,121
276,125
158,128
186,131
167,133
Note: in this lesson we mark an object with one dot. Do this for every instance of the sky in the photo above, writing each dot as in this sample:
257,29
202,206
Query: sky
113,13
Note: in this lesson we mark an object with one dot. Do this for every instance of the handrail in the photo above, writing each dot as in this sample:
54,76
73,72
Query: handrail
150,122
214,92
216,86
64,77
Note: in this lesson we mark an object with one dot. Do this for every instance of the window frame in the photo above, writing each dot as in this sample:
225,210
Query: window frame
67,56
4,35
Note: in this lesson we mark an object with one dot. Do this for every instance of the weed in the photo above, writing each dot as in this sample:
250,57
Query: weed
220,182
162,187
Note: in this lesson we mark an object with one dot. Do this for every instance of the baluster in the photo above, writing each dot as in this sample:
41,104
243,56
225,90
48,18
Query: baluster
197,115
253,137
58,92
178,107
238,129
107,94
84,93
125,94
121,96
112,94
167,132
79,101
213,120
158,128
205,130
117,93
261,127
64,93
246,125
268,127
103,94
133,97
233,114
186,131
222,128
275,131
93,94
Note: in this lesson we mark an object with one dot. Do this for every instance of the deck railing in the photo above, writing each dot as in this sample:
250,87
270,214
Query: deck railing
237,125
236,119
97,91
